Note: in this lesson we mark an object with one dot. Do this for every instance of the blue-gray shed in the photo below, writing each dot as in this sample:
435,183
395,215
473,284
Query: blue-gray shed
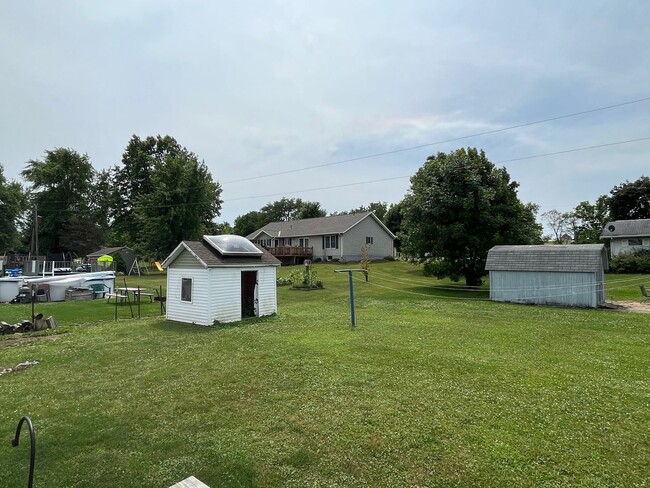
572,275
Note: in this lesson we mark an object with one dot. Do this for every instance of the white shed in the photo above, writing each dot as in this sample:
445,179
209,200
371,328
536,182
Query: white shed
221,278
571,275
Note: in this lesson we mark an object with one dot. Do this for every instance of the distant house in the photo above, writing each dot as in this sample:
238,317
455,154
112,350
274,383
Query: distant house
570,275
627,235
327,238
221,278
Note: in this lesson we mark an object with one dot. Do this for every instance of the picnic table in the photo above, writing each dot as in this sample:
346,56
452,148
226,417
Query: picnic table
137,292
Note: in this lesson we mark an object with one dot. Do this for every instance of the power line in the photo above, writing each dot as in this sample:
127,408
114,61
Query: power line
453,139
597,146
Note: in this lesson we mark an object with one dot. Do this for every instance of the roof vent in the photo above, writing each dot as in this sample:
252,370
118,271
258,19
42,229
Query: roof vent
611,228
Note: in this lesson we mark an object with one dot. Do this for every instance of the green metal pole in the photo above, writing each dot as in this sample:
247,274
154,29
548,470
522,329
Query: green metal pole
351,299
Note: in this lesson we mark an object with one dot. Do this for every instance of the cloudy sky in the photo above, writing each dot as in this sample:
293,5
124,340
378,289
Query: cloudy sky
261,87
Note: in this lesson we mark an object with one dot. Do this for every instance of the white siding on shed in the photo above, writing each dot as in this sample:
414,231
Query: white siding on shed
196,311
539,287
267,291
225,299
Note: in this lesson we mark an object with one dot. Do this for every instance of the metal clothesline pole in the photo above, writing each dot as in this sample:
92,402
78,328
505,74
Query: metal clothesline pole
351,284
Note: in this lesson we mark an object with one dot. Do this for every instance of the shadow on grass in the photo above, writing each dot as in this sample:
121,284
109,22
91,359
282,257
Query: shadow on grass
444,292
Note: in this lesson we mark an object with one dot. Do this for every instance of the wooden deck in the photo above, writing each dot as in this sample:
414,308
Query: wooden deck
292,254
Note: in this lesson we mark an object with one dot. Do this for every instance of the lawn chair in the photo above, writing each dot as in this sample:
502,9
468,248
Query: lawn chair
100,290
644,292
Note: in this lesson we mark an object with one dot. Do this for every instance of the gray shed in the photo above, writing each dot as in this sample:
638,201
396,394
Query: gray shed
572,275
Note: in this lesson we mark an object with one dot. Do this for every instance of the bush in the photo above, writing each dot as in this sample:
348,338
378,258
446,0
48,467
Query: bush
283,281
637,262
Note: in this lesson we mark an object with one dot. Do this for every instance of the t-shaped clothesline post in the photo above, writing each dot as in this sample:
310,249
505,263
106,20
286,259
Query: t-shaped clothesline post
349,272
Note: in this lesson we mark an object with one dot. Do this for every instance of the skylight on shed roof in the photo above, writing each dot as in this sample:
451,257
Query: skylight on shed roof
230,245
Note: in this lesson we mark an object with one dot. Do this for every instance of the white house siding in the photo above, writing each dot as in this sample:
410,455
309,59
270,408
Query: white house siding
621,245
547,287
198,310
354,239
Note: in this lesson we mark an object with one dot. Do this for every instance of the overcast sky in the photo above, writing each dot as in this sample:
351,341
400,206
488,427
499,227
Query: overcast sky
259,87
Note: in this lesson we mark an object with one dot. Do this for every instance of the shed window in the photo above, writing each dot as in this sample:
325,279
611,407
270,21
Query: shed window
369,240
634,242
186,289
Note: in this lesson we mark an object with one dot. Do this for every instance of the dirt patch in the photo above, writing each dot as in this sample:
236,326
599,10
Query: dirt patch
630,306
16,341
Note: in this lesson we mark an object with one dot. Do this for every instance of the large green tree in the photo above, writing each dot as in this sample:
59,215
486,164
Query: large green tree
134,180
249,222
13,203
460,205
182,204
590,219
61,186
630,200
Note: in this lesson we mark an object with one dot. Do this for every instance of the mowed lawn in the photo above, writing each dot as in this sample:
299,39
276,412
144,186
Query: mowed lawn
435,387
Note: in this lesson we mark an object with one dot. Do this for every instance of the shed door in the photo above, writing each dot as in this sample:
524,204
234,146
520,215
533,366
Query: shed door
248,286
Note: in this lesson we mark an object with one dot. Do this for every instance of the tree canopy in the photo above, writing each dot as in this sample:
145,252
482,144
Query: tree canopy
13,203
61,186
630,200
460,205
281,210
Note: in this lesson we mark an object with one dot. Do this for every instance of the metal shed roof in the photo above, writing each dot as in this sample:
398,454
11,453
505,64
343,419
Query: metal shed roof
584,258
626,228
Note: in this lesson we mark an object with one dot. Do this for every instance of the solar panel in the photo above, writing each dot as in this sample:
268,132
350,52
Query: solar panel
230,245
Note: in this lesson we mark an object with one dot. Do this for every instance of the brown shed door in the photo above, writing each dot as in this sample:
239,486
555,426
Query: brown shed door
248,282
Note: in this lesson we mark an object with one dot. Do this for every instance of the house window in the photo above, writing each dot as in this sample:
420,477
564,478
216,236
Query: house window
634,242
331,242
369,240
186,289
304,242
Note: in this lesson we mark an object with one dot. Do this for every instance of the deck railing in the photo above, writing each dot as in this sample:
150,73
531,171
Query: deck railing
291,251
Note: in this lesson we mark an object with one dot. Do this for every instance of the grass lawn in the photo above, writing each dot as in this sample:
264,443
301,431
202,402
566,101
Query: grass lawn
435,387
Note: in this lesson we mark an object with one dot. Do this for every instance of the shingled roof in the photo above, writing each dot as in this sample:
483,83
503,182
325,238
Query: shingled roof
581,258
334,224
626,228
211,258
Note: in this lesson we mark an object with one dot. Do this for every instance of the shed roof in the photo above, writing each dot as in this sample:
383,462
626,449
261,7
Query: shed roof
209,257
626,228
334,224
582,258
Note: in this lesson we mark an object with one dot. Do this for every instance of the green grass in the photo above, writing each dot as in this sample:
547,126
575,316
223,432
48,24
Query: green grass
435,387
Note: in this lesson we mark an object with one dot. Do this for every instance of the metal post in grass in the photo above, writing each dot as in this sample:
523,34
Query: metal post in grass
32,443
349,272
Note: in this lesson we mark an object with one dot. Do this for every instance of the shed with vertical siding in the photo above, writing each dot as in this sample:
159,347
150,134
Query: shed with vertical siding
571,275
205,285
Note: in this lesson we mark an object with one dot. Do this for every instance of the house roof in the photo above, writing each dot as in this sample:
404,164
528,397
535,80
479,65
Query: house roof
209,257
626,228
108,250
582,258
335,224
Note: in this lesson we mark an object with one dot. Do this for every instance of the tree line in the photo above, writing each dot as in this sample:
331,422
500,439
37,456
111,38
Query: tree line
458,206
159,194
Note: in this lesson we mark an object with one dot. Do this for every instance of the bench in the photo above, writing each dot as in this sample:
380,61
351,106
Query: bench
143,294
121,296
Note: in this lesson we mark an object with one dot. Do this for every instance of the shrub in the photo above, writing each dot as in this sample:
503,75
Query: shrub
631,262
283,281
305,279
